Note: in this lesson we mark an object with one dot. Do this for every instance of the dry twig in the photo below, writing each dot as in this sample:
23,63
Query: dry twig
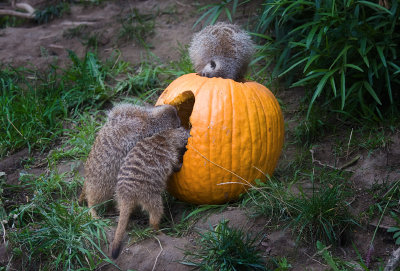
29,14
155,263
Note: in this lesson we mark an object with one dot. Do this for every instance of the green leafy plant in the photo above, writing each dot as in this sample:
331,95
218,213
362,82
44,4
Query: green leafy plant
211,12
50,12
224,248
333,263
342,52
395,229
280,264
137,27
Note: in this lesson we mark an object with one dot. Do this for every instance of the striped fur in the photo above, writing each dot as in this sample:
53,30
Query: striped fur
126,125
221,50
143,177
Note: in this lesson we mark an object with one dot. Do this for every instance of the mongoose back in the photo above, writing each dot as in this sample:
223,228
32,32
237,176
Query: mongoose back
221,50
143,177
126,125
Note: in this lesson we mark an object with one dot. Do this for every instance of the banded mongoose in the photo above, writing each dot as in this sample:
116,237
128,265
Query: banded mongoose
143,177
221,50
126,125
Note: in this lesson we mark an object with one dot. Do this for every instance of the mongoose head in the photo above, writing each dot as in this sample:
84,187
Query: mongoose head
224,67
179,139
179,136
221,50
165,117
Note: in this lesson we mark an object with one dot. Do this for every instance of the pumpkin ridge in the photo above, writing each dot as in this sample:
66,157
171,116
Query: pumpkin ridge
256,127
267,125
248,109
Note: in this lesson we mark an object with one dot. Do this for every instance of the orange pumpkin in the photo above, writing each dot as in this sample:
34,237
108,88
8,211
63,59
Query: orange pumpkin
236,137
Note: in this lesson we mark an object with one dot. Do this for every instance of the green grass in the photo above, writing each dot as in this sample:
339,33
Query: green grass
322,215
48,13
225,248
34,105
78,140
319,213
46,228
137,27
64,232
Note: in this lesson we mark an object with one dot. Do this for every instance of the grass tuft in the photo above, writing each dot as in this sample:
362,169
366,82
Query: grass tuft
137,27
65,233
319,214
224,248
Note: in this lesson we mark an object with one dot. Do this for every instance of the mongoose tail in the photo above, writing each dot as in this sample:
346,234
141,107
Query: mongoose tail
125,211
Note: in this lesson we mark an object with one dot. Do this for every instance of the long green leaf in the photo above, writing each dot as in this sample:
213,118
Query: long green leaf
389,85
293,66
309,62
381,55
372,92
395,67
343,52
319,89
374,6
333,85
343,87
354,67
306,79
310,36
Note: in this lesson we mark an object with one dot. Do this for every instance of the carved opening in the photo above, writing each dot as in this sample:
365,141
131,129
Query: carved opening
184,103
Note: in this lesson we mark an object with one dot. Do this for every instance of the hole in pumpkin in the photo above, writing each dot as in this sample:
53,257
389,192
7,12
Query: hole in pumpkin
184,103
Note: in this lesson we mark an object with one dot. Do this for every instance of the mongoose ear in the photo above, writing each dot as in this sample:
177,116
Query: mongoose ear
184,103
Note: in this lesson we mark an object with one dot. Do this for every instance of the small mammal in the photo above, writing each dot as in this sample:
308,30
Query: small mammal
126,125
221,50
143,177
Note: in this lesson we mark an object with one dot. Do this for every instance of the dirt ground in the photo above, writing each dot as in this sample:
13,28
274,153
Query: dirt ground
37,45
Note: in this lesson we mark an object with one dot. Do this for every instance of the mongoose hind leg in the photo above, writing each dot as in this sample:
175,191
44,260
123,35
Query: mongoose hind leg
91,203
82,197
155,209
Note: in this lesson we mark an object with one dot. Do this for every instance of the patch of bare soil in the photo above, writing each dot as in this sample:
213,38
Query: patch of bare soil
39,45
160,252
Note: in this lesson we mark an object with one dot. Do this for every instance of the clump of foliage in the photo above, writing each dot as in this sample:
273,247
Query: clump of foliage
137,27
343,52
212,12
67,233
225,248
48,225
48,13
319,214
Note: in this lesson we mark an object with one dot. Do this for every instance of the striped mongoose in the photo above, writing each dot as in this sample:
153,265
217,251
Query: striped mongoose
143,177
221,50
126,125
